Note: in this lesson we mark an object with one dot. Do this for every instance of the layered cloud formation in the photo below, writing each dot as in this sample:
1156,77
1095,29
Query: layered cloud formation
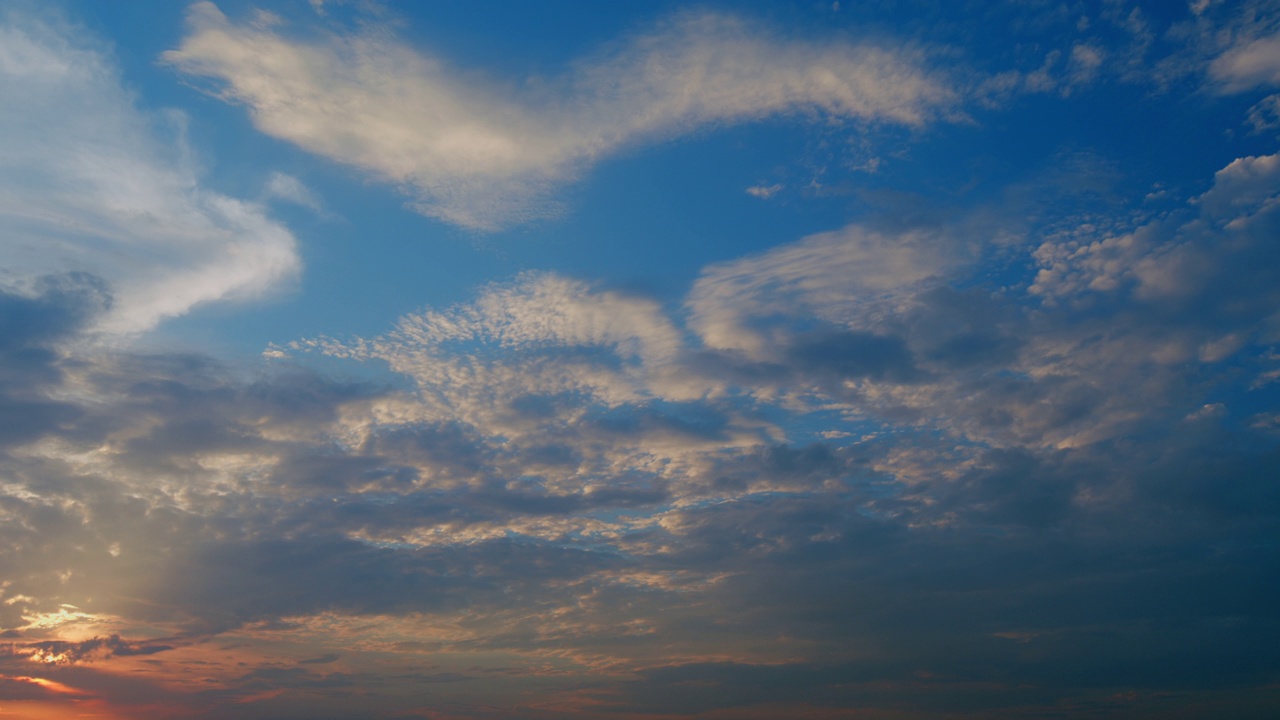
984,462
575,478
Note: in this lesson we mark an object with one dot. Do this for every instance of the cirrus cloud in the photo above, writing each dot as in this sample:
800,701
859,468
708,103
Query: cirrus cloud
91,182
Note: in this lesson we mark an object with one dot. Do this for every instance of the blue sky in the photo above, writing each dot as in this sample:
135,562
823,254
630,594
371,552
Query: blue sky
665,360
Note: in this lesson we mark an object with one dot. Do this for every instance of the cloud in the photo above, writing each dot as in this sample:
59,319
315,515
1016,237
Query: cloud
1246,186
855,471
1265,114
764,192
289,188
833,276
1224,251
32,325
864,323
60,651
549,498
1250,64
93,183
484,154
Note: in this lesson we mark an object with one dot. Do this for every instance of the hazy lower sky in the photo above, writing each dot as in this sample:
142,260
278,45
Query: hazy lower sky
653,360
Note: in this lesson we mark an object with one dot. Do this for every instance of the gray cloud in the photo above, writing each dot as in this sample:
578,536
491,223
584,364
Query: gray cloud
255,506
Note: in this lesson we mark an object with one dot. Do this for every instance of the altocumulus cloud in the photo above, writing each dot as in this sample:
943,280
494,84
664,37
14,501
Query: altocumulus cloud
574,485
1018,423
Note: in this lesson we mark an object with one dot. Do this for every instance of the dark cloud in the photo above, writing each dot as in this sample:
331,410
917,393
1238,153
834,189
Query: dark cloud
856,355
61,651
31,326
321,660
55,307
1013,487
915,572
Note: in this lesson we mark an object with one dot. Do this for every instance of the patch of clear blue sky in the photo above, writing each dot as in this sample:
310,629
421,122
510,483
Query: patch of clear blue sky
650,217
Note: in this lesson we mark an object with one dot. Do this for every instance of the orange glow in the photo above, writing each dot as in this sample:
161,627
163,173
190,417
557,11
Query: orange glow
49,685
33,710
48,658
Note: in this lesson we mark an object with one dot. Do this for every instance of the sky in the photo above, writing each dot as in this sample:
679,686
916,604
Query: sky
649,361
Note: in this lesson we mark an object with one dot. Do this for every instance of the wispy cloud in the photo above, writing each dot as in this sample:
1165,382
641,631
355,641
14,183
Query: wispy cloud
764,192
92,183
291,189
487,153
824,276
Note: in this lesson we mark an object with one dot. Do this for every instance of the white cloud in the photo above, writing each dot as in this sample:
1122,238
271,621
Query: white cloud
482,154
87,184
1248,65
291,189
834,276
549,310
764,192
850,327
593,381
1246,185
535,315
1170,259
1084,63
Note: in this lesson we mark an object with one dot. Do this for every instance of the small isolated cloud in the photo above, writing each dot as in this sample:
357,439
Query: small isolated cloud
1207,412
1265,114
485,155
90,183
321,660
764,192
290,189
1084,63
